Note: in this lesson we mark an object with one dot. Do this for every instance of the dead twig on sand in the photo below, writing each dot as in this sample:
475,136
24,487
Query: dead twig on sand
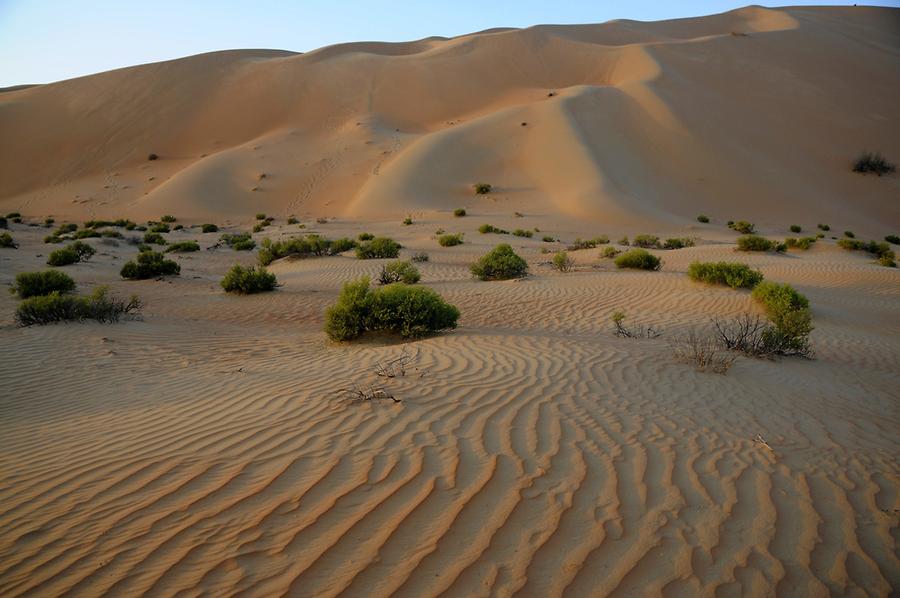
371,394
395,367
638,332
704,353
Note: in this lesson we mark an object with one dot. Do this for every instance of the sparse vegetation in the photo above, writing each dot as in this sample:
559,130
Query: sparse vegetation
490,228
609,252
523,233
7,242
548,239
849,234
168,218
803,243
248,280
873,162
641,331
742,226
703,352
451,240
260,216
239,241
32,284
755,243
703,219
407,221
71,254
823,227
379,247
292,220
155,239
646,241
640,259
580,243
678,243
563,262
302,247
365,237
410,311
399,271
501,263
183,247
64,229
735,275
59,307
892,239
420,257
459,212
159,227
795,228
882,251
149,264
623,241
482,188
209,228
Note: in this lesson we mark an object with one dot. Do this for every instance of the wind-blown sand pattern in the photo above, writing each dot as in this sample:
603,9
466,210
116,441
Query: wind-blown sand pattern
207,450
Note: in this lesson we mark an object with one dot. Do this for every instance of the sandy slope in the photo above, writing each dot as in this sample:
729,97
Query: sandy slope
757,110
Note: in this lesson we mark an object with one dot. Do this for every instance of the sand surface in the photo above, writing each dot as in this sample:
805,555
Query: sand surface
207,450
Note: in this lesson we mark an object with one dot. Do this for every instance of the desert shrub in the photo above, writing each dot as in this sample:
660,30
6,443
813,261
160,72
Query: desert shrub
159,227
580,243
322,220
238,241
742,226
609,252
168,218
399,271
850,234
410,311
112,234
482,188
183,247
341,245
787,309
523,233
439,231
459,212
152,157
64,229
258,228
640,259
873,162
795,228
646,241
260,216
703,219
803,243
407,221
887,260
247,280
59,307
148,264
71,254
209,228
501,263
755,243
755,337
823,227
365,237
420,257
31,284
6,241
48,222
548,239
735,275
678,243
302,247
563,262
379,247
623,241
86,234
892,239
154,239
489,228
641,331
178,227
451,240
703,352
3,222
12,215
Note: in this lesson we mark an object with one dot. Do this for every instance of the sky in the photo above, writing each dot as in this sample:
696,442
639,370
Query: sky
50,40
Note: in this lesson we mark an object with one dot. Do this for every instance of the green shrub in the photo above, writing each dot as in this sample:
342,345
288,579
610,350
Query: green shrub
86,234
379,247
742,226
258,228
246,281
112,234
450,240
548,239
420,257
869,162
640,259
489,228
623,241
459,212
12,215
58,307
892,239
580,243
501,263
48,222
703,219
32,284
154,239
735,275
678,243
260,216
755,243
149,264
407,221
71,254
3,222
788,310
803,243
646,241
168,218
887,260
850,234
65,229
609,252
823,227
183,247
563,262
795,228
882,251
410,311
209,228
292,220
439,232
302,247
6,241
399,271
341,245
523,233
482,188
365,237
159,227
239,241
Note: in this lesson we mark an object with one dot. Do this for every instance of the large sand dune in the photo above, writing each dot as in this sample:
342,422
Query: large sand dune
207,450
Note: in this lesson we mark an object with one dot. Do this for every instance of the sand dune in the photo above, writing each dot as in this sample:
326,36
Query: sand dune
207,449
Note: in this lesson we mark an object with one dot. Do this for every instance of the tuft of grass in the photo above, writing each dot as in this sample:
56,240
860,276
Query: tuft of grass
238,241
33,284
365,237
482,188
59,307
183,247
742,226
302,247
548,239
609,252
519,232
623,241
882,251
459,212
501,263
248,280
703,219
735,275
159,227
154,239
756,243
399,271
803,243
209,228
490,228
451,240
407,221
646,241
640,259
71,254
293,220
420,257
795,228
260,215
892,239
168,218
824,227
873,162
563,262
678,243
6,241
379,247
850,234
149,264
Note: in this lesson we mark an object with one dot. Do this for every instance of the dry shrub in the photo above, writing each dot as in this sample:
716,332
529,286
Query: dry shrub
703,352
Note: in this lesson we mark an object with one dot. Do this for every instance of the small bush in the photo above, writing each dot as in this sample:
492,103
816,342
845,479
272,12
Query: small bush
869,162
439,231
13,215
407,221
823,227
548,239
609,252
678,243
398,308
341,245
149,264
6,241
580,243
183,247
420,257
451,240
258,228
489,228
803,243
892,239
379,247
737,276
704,353
703,219
501,263
209,228
48,222
482,188
86,234
260,216
152,157
71,254
399,271
155,239
3,222
640,259
58,307
887,260
302,247
757,338
32,284
779,299
849,234
365,236
239,241
159,227
523,233
646,241
755,243
245,281
795,228
459,212
882,251
168,218
742,226
65,229
112,234
563,262
623,241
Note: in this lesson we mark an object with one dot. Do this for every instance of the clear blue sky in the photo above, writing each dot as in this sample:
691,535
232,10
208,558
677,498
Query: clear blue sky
50,40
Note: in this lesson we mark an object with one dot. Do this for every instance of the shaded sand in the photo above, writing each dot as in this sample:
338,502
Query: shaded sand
206,449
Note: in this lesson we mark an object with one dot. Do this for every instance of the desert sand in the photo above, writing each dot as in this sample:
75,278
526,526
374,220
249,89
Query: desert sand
206,449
